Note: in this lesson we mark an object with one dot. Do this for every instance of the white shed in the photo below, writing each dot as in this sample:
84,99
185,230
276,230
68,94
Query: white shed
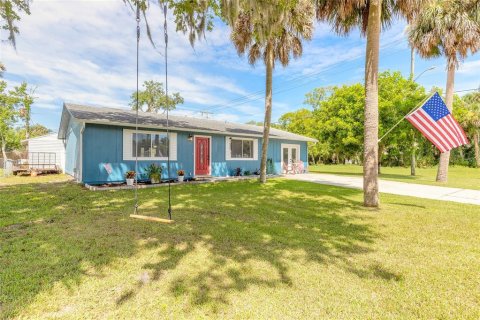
47,146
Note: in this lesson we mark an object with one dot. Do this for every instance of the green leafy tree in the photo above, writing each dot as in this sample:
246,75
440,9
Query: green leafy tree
10,11
153,98
301,122
337,119
255,123
36,130
397,96
8,117
450,28
192,17
24,98
340,116
468,115
369,16
272,31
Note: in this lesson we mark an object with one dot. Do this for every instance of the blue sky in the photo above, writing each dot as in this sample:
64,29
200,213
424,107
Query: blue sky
84,52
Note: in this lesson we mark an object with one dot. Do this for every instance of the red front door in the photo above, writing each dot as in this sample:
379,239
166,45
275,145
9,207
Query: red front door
202,156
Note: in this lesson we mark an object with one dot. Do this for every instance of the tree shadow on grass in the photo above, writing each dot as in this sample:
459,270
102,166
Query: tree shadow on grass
62,227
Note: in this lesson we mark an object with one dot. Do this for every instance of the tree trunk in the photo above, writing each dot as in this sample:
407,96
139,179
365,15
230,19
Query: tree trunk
370,152
412,63
4,152
268,111
477,148
442,173
413,158
27,123
413,163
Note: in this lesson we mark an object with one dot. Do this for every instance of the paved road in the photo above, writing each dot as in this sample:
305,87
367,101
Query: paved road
394,187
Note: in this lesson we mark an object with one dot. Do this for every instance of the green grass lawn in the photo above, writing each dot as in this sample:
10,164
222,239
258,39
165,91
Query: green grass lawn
237,250
458,177
12,180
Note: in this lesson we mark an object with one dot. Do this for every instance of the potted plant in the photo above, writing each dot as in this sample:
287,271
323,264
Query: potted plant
154,173
237,172
130,177
181,175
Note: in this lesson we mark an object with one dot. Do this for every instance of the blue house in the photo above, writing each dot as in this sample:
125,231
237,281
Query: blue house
101,145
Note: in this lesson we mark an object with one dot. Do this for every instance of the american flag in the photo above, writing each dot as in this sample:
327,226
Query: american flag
436,123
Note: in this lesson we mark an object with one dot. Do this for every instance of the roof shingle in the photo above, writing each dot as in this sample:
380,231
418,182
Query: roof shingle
126,117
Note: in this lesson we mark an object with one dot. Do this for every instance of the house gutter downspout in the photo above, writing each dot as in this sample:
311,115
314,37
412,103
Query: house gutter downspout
80,171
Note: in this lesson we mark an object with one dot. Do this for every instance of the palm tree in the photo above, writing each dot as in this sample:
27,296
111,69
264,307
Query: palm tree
470,120
450,28
272,31
370,16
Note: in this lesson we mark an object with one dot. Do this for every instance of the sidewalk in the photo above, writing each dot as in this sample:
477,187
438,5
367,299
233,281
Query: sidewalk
394,187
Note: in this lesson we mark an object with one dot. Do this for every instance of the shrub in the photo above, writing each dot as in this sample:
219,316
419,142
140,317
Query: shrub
154,171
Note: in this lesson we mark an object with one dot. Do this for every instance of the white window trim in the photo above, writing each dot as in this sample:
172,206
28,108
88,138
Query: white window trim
195,154
228,153
127,146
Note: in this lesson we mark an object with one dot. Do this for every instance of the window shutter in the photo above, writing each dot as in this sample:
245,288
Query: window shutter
173,146
228,155
255,149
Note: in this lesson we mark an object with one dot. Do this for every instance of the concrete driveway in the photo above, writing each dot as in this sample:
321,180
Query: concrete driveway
394,187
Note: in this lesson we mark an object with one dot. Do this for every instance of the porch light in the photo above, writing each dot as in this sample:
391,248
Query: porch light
190,137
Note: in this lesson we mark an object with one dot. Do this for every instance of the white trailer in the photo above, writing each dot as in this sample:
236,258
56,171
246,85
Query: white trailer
48,146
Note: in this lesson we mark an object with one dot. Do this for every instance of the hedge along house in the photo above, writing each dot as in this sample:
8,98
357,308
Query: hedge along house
100,145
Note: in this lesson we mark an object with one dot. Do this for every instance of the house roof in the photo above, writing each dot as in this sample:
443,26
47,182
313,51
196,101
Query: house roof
124,117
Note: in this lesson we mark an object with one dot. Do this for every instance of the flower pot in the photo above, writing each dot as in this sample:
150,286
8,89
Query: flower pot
154,179
130,182
180,178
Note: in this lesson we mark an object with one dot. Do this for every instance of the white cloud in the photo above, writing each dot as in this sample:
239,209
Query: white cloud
85,53
470,68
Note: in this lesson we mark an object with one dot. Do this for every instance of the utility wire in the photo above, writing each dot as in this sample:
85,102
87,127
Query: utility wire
254,94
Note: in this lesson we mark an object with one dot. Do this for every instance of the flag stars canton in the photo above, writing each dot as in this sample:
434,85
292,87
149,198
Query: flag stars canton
436,108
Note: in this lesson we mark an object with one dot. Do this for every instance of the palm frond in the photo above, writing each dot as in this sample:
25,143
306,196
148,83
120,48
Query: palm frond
449,28
255,23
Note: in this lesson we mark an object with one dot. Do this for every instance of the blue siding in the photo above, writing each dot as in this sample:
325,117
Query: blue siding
72,147
104,144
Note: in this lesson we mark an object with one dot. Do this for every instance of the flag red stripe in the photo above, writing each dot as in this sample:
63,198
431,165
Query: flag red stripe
445,133
420,126
415,121
453,136
424,130
451,131
440,130
455,127
462,132
436,129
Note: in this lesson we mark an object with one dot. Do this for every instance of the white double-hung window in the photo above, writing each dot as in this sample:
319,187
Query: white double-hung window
241,148
148,145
